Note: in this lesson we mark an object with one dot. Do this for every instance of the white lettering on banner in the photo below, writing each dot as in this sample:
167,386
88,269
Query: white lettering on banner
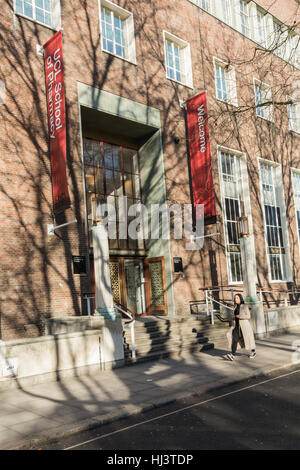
201,125
54,65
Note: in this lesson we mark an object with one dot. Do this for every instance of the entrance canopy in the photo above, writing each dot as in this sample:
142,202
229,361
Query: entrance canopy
114,128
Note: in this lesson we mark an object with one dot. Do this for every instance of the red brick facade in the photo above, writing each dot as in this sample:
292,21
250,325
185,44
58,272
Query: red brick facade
36,275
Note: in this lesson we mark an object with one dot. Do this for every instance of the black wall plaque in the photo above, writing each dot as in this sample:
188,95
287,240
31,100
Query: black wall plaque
79,264
178,265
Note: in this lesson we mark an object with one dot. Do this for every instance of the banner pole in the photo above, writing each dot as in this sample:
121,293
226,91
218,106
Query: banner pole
189,165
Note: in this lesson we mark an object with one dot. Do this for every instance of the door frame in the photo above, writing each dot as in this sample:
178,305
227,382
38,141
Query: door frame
120,260
146,262
150,308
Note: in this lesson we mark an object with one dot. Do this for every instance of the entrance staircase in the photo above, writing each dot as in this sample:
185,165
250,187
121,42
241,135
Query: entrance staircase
159,337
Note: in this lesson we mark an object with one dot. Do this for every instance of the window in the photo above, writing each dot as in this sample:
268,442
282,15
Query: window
38,10
178,59
227,12
296,188
244,15
112,171
205,4
263,95
273,222
261,27
2,92
280,39
225,82
291,47
256,23
232,198
117,31
294,116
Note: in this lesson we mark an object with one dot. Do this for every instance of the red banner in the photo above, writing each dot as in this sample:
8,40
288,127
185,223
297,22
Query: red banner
198,134
53,58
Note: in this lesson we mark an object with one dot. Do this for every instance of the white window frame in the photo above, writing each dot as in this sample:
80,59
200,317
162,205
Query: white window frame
297,172
230,81
245,196
291,48
205,5
215,8
293,111
227,12
244,14
267,90
261,27
127,17
55,11
2,92
284,226
185,58
280,36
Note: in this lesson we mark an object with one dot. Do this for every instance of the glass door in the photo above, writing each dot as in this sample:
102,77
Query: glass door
135,290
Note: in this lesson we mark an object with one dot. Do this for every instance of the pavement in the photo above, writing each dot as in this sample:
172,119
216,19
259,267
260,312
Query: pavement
31,416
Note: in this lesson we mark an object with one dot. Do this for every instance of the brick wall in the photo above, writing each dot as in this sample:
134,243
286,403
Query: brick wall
36,278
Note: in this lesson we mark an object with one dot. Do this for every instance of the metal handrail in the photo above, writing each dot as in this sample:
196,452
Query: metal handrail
285,293
131,325
126,309
262,293
220,303
88,297
209,298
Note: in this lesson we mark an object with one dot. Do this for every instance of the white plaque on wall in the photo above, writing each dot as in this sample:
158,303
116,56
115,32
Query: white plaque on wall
10,367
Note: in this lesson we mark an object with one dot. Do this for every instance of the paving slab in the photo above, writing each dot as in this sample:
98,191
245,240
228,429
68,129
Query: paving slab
37,414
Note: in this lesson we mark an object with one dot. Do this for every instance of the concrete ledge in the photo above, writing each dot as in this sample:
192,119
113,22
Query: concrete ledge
281,319
76,346
20,382
47,358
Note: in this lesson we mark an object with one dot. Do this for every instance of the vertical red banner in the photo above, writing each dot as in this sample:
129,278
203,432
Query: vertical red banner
198,134
53,59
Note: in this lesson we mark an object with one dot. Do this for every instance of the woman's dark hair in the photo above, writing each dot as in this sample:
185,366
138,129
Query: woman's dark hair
241,298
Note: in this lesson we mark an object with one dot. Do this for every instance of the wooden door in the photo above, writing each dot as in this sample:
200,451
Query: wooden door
117,281
156,292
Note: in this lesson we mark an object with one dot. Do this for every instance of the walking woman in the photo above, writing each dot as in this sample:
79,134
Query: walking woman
241,333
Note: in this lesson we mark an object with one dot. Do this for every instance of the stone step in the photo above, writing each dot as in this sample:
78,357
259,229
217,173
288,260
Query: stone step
157,337
166,344
150,321
175,329
153,356
162,341
169,335
172,324
178,319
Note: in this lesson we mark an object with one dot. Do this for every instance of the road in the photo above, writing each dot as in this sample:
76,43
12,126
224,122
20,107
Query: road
259,414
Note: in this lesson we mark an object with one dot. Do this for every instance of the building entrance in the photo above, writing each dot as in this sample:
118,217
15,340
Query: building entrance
138,285
112,175
128,284
135,286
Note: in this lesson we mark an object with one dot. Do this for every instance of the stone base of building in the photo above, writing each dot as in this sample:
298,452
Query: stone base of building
77,346
73,346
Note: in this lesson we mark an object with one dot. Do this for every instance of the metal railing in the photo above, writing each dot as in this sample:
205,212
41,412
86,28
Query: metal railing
218,297
129,324
210,307
277,297
90,300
